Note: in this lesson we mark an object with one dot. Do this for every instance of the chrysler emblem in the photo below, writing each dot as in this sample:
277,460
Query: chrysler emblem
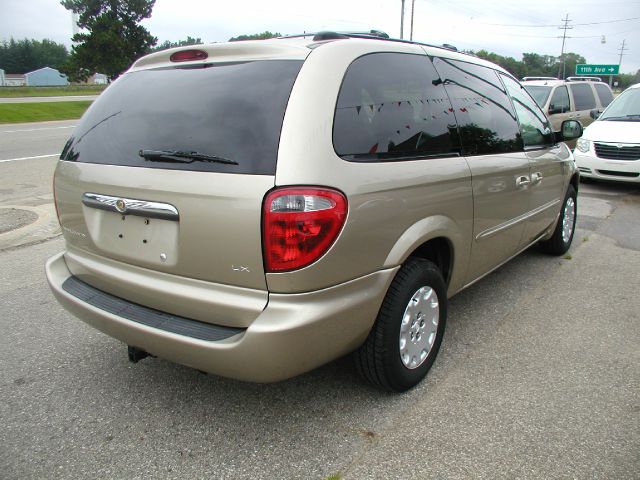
121,206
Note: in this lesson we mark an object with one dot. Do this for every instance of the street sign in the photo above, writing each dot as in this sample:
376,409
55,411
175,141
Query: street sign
586,69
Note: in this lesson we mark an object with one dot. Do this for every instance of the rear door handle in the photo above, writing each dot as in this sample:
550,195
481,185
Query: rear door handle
522,181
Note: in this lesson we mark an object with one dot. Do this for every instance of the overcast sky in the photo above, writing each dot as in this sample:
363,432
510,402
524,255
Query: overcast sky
506,27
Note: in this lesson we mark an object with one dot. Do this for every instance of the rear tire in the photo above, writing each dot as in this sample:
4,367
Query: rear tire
562,236
406,336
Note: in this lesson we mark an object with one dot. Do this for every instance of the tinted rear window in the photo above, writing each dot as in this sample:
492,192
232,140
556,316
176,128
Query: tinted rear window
604,94
231,110
484,112
583,96
392,106
560,100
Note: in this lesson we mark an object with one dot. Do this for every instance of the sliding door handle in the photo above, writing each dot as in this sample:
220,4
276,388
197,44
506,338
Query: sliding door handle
522,181
536,178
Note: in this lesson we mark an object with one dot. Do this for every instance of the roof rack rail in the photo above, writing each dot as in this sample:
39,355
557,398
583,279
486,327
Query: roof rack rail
334,35
584,79
372,34
524,79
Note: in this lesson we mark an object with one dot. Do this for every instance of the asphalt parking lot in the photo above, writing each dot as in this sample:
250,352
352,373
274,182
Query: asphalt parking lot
538,376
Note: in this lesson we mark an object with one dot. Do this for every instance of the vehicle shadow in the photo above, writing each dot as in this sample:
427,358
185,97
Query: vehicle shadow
167,419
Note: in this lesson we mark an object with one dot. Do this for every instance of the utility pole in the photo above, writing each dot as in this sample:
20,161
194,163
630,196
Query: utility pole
413,4
621,50
402,20
564,27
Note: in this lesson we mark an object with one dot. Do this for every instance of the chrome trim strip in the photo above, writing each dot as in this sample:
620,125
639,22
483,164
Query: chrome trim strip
503,226
538,238
130,206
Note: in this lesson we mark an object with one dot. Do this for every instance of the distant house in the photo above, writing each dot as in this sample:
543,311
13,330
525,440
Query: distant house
98,79
44,77
1,77
14,80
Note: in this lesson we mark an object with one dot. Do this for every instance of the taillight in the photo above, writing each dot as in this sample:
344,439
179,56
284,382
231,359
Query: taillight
187,55
299,225
55,197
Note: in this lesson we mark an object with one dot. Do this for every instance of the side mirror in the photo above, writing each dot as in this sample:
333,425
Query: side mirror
570,130
595,113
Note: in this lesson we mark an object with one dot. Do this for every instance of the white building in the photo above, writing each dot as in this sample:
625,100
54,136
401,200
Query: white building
98,79
14,80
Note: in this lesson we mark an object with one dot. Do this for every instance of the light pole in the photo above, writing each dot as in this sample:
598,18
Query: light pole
413,4
402,20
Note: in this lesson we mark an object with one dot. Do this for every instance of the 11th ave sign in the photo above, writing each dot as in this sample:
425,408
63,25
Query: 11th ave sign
586,69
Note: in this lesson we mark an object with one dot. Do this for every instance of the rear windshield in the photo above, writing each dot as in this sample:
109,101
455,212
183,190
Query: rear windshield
540,93
232,111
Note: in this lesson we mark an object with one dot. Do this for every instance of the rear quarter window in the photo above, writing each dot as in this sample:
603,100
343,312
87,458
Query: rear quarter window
392,106
604,94
583,96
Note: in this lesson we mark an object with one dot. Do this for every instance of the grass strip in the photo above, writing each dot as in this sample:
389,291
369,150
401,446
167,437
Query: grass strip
41,111
17,92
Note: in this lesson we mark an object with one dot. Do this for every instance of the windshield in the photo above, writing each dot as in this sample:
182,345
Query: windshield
540,93
232,111
625,106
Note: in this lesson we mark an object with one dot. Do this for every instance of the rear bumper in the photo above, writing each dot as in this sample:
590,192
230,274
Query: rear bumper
293,334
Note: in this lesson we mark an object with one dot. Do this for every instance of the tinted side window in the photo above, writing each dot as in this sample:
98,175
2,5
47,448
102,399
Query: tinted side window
485,116
392,106
534,126
559,101
583,96
604,94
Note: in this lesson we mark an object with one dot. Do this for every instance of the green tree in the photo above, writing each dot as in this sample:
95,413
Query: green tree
257,36
180,43
510,64
627,79
536,65
115,38
24,56
571,60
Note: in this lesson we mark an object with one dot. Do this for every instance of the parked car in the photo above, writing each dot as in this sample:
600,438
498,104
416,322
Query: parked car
609,148
257,209
577,98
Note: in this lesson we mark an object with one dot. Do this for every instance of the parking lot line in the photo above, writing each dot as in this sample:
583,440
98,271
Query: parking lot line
36,129
29,158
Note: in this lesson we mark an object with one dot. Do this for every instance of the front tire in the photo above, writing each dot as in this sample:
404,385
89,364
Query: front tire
408,331
562,237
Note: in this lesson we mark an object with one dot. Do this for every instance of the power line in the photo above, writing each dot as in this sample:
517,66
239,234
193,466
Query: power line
548,26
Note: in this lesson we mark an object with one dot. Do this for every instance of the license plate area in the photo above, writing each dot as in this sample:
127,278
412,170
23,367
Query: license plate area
133,237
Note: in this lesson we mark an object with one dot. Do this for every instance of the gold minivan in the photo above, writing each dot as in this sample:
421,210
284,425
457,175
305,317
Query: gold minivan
256,209
577,98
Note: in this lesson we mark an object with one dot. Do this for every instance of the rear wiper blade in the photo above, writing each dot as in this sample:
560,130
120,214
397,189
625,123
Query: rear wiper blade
183,157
